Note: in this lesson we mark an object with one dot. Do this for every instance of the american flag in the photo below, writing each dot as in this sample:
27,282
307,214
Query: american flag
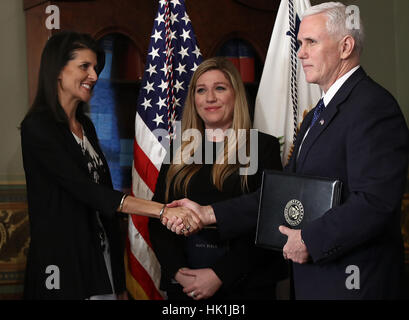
173,56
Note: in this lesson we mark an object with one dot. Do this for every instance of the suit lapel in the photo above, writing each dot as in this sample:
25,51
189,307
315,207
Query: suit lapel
292,164
328,115
324,120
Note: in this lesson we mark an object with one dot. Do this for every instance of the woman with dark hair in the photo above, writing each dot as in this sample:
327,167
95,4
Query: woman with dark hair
203,266
75,250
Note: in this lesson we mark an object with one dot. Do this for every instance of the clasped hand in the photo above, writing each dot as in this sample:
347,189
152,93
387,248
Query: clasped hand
181,220
198,283
295,249
187,217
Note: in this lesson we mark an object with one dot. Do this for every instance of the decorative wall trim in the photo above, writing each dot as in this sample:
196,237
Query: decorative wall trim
14,240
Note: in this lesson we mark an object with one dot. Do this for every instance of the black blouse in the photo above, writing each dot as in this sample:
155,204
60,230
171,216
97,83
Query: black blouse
238,263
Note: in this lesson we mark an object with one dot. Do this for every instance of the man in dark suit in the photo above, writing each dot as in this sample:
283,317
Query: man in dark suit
358,135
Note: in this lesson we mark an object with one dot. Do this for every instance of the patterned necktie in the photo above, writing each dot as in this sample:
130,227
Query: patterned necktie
318,109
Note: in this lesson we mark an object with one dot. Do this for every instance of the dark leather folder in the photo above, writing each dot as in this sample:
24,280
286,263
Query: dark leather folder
293,201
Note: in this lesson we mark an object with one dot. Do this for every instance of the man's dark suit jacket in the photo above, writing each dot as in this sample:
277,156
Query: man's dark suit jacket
63,200
363,141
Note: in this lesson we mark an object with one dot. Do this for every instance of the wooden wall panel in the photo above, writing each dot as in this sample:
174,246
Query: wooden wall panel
214,22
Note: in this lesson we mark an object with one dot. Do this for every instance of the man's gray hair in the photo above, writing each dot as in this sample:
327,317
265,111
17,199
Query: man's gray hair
337,22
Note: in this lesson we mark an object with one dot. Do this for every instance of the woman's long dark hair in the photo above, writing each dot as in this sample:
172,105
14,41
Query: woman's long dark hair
60,49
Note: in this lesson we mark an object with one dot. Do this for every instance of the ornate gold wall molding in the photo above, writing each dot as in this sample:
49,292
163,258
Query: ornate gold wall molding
14,240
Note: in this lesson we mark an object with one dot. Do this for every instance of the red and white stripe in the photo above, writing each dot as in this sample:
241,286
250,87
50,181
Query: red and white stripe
142,262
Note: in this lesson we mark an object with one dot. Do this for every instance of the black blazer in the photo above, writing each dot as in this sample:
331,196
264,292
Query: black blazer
364,142
246,271
63,201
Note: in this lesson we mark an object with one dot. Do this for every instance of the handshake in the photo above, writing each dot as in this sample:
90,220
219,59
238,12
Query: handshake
187,217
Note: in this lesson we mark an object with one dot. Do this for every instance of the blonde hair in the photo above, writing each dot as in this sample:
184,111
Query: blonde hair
181,173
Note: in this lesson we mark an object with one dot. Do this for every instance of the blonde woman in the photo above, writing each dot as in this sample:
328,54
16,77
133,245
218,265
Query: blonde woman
203,266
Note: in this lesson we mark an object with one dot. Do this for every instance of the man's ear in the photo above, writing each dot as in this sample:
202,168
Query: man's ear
347,46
